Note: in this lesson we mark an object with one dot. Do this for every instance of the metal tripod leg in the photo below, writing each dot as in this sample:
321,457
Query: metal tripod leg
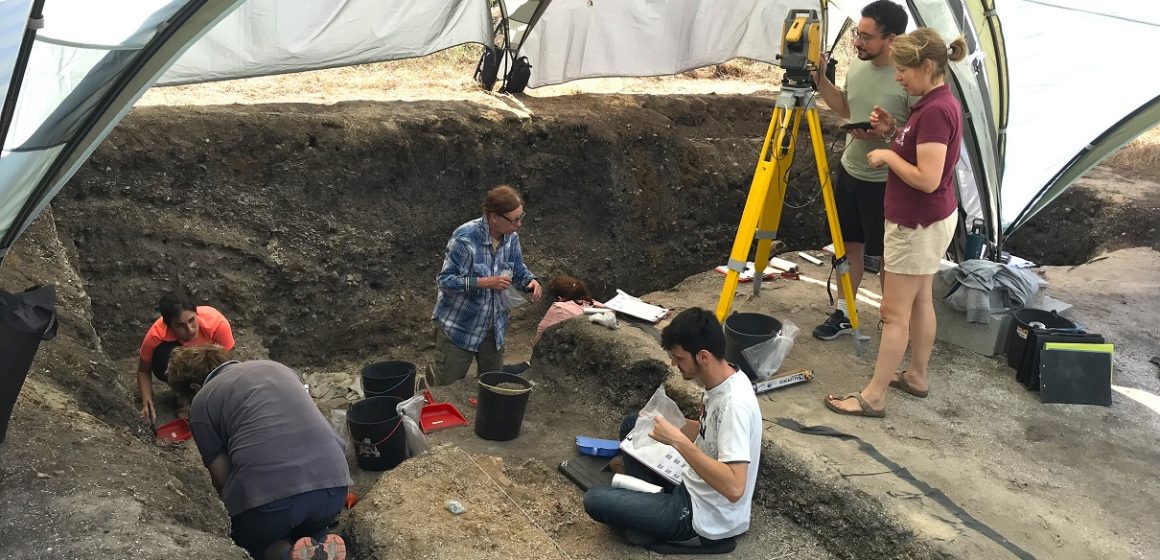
764,203
843,266
763,176
784,147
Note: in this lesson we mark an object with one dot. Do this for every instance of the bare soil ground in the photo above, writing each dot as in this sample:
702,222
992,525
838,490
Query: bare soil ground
1057,481
316,226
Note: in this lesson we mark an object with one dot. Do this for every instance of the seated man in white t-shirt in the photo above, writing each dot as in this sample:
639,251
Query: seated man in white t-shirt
713,502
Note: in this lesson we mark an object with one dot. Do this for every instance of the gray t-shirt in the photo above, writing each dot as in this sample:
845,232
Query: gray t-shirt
866,86
278,443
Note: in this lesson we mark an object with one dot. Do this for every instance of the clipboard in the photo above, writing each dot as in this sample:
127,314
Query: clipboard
634,307
660,458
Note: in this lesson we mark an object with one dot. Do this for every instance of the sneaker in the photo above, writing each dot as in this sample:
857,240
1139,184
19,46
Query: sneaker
331,548
836,324
516,369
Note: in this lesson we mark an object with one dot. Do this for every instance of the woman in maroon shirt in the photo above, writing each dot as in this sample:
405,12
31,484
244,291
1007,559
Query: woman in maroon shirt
920,210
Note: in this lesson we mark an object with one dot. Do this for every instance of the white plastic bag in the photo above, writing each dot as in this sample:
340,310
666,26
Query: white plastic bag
766,357
605,317
410,410
658,405
338,422
512,297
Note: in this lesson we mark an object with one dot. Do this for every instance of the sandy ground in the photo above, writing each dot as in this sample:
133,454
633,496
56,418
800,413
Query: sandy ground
1058,481
80,478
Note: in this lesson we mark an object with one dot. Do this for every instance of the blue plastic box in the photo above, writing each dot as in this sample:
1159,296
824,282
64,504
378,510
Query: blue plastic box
597,447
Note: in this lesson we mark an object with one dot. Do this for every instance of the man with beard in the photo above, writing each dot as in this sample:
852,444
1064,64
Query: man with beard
713,502
860,188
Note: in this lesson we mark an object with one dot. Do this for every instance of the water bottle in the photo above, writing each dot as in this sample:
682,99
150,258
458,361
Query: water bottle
976,240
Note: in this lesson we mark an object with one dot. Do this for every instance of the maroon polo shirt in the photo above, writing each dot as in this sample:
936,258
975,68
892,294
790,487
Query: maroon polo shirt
937,117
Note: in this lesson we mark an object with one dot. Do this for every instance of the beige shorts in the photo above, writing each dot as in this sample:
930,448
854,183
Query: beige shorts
917,251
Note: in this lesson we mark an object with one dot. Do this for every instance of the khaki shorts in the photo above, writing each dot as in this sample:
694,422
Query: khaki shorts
917,251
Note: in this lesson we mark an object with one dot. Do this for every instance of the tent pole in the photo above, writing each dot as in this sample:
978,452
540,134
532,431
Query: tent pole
35,21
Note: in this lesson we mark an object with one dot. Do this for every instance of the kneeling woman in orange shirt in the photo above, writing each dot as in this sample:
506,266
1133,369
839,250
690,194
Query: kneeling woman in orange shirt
182,323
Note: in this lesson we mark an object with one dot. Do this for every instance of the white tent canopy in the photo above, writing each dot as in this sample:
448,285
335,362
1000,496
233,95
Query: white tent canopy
265,37
580,39
1078,70
86,67
1040,62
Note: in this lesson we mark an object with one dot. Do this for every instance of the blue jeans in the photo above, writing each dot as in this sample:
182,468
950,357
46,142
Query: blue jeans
308,514
665,516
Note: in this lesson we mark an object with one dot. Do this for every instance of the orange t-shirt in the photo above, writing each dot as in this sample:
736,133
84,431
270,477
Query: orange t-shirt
212,328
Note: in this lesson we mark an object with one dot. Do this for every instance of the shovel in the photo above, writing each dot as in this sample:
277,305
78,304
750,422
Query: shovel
438,415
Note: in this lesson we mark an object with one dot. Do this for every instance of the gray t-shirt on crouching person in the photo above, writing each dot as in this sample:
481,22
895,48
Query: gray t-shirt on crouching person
278,443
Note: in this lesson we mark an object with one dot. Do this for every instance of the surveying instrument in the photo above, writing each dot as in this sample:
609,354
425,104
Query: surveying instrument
800,52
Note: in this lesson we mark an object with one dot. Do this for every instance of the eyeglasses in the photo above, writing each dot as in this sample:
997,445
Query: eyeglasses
514,221
864,37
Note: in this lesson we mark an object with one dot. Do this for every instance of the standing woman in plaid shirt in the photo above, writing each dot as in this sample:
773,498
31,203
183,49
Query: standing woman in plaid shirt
471,313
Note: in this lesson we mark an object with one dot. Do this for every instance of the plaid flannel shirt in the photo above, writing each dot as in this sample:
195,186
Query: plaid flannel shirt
464,311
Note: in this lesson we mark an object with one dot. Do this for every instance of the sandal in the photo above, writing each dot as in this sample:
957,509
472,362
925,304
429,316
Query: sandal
905,387
866,410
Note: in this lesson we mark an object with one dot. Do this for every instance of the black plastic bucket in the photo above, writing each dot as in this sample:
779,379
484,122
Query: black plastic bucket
389,379
377,433
1017,340
743,330
499,412
26,319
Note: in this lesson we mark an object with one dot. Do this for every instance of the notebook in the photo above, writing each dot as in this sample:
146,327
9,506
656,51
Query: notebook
1076,373
662,458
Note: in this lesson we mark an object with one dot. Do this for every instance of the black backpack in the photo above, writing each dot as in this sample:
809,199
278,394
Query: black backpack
487,70
517,78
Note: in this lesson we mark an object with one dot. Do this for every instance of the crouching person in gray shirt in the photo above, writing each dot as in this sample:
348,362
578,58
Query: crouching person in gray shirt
277,464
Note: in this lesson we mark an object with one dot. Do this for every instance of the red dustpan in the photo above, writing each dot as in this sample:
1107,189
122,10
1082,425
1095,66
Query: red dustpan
175,431
439,416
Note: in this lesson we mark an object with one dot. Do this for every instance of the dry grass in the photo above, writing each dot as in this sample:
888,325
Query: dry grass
1141,157
737,69
445,74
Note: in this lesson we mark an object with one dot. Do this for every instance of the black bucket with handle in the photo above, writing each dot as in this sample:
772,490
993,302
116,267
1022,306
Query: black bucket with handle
1025,321
377,433
743,330
390,379
503,398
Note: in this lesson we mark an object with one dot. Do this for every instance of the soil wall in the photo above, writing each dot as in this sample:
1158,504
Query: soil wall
321,228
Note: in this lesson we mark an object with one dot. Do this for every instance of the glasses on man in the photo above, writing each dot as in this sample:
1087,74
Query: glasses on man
516,220
864,37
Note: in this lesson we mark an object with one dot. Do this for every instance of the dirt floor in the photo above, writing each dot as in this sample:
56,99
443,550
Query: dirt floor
1056,481
317,229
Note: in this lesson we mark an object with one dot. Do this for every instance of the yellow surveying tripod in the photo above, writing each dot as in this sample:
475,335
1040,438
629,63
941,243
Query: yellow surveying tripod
763,206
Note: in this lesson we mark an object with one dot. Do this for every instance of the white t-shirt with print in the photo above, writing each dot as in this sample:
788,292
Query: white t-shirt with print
731,433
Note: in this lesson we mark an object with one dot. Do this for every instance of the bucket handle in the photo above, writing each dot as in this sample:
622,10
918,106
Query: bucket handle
502,391
400,382
377,443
